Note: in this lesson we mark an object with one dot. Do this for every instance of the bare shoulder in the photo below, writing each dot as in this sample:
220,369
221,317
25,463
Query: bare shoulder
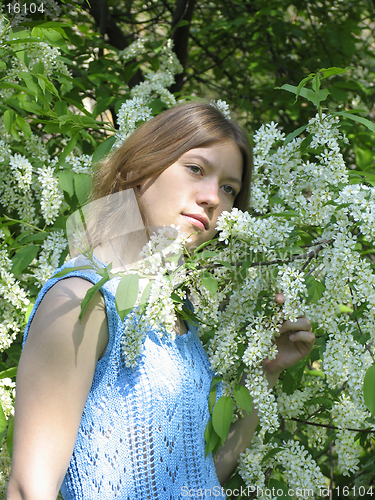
54,378
57,317
71,290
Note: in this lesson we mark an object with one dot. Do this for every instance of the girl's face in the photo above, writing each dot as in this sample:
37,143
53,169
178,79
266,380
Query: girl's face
194,190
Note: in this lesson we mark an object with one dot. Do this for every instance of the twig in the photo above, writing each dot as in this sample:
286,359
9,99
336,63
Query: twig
321,242
303,422
309,256
328,426
367,347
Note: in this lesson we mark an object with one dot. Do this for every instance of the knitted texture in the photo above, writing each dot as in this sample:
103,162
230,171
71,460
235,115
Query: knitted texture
141,434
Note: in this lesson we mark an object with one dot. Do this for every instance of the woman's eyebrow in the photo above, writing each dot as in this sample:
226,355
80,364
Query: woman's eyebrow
234,179
210,164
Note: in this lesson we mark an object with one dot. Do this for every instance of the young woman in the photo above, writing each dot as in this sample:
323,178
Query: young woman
86,422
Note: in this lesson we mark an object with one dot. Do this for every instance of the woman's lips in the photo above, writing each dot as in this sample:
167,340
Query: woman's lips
197,220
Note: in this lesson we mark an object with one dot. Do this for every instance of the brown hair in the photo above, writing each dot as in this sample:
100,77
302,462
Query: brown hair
160,142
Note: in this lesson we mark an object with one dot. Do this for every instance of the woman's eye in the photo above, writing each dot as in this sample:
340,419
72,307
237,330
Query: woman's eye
194,169
230,190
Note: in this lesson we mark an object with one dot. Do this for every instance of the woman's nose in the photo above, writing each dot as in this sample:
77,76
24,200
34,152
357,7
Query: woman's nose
209,194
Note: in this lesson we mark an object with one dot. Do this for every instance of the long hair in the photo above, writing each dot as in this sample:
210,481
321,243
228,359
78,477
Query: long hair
160,142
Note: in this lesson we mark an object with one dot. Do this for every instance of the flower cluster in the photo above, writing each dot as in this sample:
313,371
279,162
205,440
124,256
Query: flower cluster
51,250
49,8
81,164
51,195
160,260
350,418
7,395
13,302
45,54
222,106
5,466
252,466
300,469
137,110
135,330
29,190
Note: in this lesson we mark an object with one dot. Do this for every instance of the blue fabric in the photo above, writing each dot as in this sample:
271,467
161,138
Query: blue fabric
141,434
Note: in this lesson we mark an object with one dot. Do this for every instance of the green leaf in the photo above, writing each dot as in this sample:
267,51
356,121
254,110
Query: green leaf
315,97
38,67
294,134
20,88
66,181
222,416
68,148
90,294
10,372
326,402
212,398
227,264
332,72
29,310
215,380
359,119
212,439
243,398
302,83
292,377
276,485
10,437
271,453
42,84
175,298
3,423
8,119
126,294
207,335
184,22
27,237
209,282
103,149
189,316
208,253
68,270
315,289
288,383
82,187
145,294
30,84
315,84
369,389
24,126
23,257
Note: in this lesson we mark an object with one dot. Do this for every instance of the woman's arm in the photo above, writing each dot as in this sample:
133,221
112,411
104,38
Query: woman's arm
54,377
295,342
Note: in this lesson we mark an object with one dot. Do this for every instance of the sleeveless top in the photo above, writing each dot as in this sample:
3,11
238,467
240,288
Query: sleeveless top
141,434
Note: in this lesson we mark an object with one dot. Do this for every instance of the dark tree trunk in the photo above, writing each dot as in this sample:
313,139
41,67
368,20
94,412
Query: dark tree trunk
183,12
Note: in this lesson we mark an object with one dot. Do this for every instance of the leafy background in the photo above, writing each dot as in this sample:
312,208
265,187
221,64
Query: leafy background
63,81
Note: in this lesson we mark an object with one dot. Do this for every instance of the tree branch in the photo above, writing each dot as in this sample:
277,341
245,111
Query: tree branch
180,36
328,426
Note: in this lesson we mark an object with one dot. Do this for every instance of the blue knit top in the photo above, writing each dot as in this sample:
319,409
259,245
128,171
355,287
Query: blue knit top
141,434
